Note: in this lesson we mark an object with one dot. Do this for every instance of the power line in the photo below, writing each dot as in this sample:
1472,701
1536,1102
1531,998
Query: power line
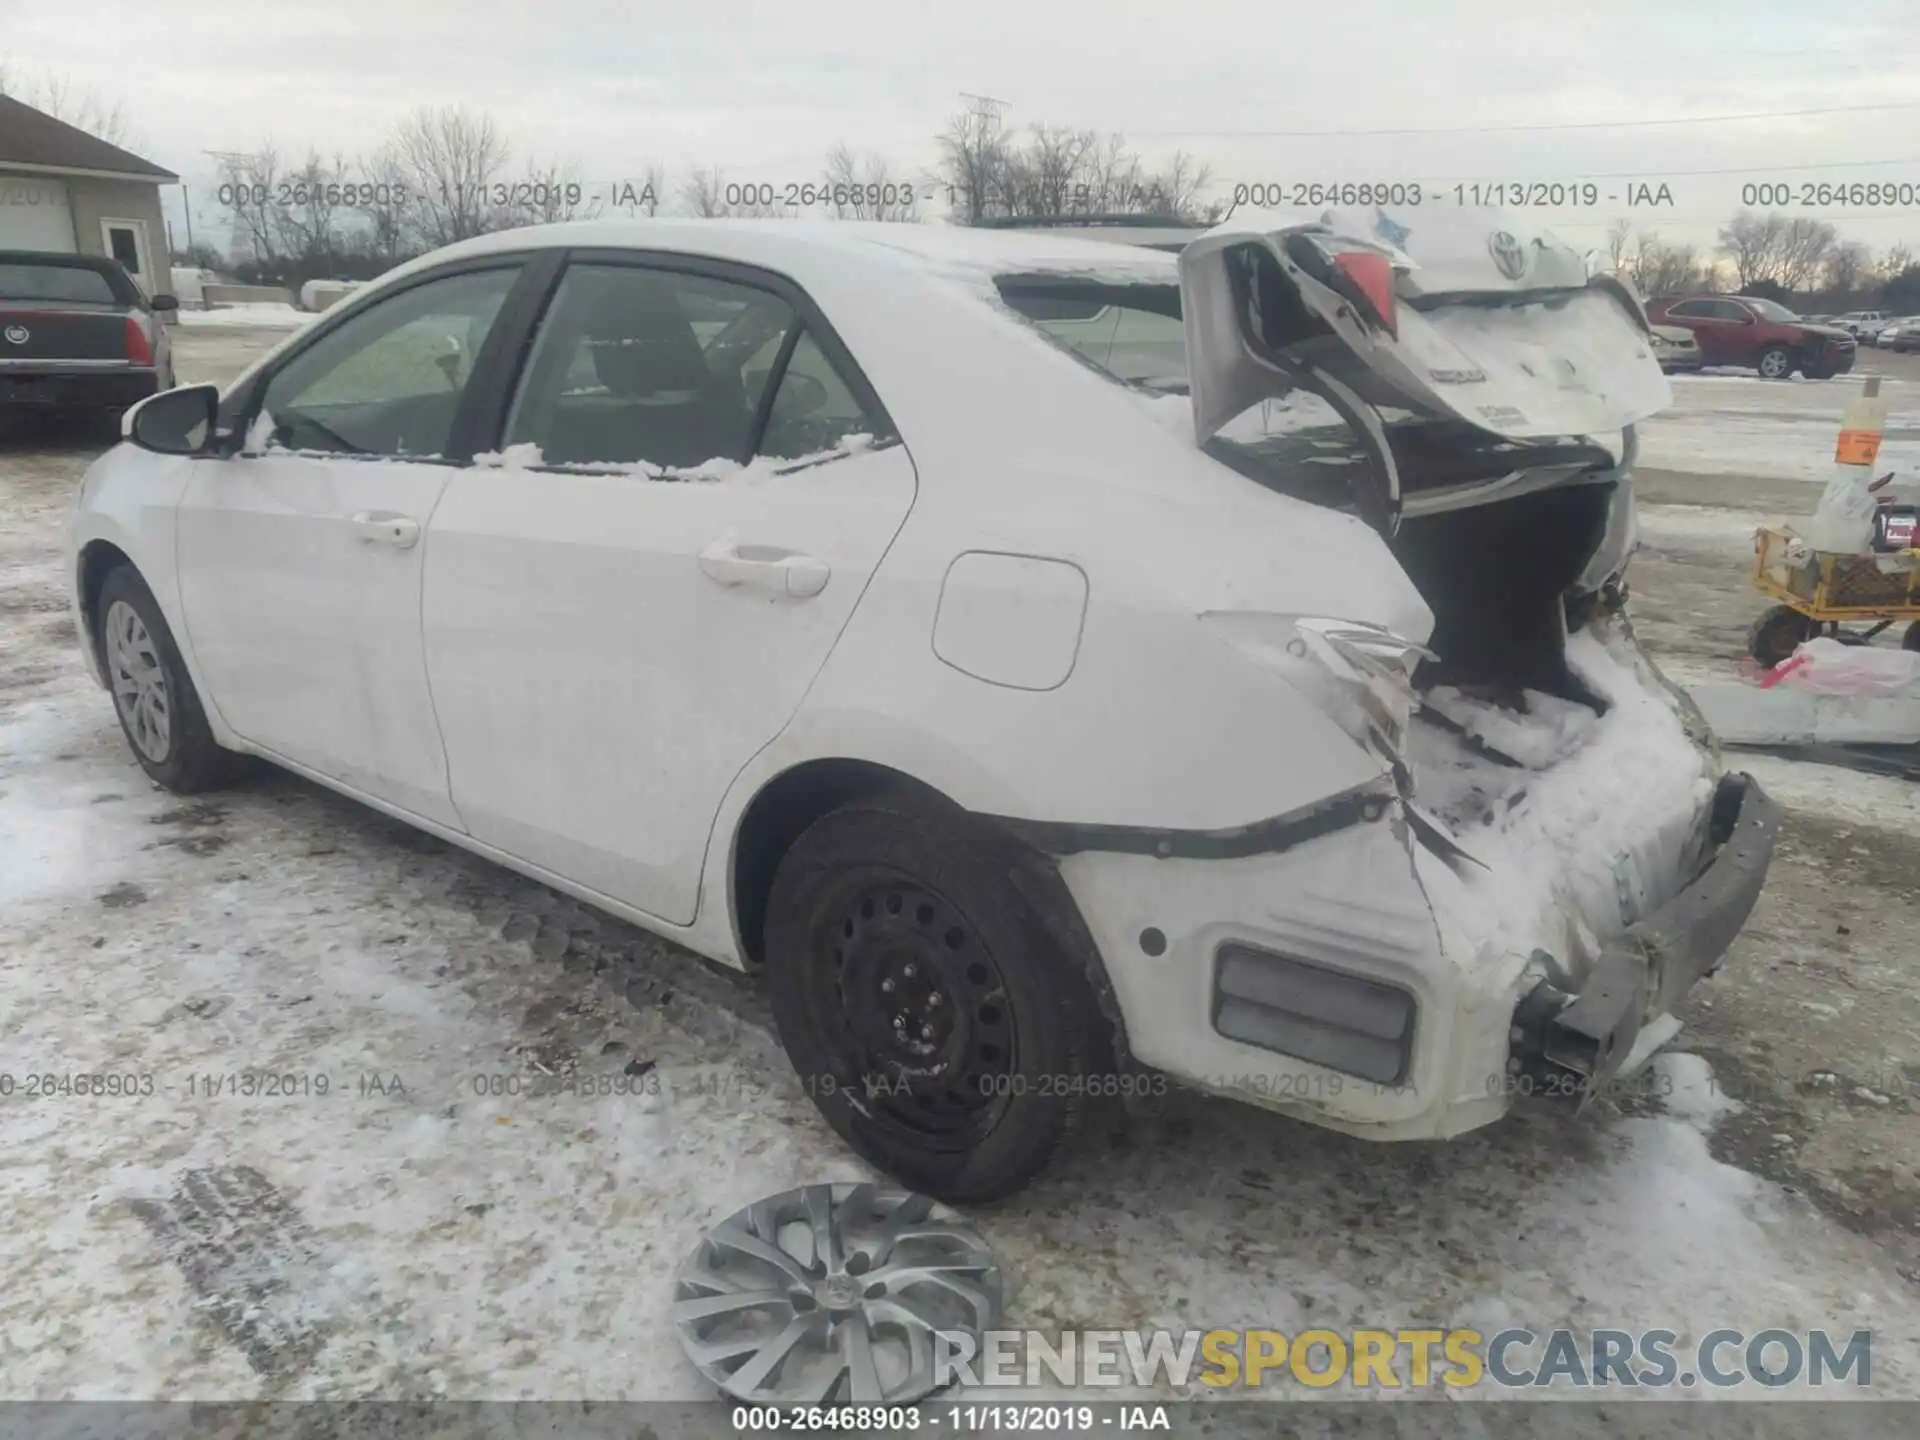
1501,129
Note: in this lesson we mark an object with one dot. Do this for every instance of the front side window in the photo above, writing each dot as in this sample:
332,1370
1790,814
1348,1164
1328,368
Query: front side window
652,367
389,381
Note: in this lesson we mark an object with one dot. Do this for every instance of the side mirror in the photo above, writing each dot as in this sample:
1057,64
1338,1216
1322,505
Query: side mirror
164,303
174,422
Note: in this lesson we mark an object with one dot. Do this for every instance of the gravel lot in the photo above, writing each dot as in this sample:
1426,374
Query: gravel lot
411,1234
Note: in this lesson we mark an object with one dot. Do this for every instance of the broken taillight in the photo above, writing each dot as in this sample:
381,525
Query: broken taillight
1371,274
139,346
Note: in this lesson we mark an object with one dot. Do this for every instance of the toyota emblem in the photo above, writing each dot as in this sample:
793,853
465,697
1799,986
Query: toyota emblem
1509,255
18,335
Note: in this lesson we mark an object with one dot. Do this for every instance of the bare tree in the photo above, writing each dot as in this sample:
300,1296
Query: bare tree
1180,181
382,202
304,208
973,155
1806,245
1618,235
1057,170
249,191
453,161
1848,267
641,194
1660,269
708,194
863,187
86,110
1754,244
1048,175
1113,180
549,194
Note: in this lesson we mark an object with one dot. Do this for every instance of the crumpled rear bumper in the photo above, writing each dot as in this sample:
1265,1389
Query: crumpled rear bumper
1573,1043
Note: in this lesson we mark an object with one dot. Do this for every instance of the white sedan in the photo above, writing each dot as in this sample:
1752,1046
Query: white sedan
1055,666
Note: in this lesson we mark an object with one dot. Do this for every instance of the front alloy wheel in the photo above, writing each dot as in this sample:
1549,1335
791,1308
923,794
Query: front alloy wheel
152,694
139,682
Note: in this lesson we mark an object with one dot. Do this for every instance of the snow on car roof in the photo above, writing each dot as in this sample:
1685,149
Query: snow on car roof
783,244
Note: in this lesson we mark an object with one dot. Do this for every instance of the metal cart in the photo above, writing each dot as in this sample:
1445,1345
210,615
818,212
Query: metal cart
1819,593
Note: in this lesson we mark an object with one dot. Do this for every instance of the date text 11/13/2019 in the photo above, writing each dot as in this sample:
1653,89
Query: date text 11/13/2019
1495,194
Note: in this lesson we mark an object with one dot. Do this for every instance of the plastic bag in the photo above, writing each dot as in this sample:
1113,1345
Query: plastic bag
1827,667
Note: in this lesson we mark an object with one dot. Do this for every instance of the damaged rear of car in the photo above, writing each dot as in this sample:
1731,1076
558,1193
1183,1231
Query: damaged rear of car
1552,855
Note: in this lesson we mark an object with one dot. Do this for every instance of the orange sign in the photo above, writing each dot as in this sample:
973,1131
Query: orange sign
1857,447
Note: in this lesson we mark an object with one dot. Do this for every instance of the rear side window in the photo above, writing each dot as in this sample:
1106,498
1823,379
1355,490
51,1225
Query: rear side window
814,410
648,366
672,370
55,282
1131,332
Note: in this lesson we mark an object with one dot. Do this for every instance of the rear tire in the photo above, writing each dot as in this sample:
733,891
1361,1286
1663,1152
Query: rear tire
1777,633
932,1018
159,710
1820,374
1775,363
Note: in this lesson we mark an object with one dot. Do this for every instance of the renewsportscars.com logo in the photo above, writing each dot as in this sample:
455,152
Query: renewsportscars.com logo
1404,1359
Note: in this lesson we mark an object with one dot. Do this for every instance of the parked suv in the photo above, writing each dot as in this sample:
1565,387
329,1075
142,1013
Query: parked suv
1758,334
1861,324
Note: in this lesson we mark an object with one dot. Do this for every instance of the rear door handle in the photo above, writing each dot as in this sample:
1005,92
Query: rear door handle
383,527
765,567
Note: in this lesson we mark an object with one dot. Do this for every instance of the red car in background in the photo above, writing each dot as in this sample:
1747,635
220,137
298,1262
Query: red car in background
1757,335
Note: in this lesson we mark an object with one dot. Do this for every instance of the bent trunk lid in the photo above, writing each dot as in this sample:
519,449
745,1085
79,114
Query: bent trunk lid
1496,323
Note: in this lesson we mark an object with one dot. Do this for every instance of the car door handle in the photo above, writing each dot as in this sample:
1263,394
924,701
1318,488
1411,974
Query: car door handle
383,527
765,567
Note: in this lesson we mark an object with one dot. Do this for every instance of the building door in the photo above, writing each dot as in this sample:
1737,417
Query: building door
126,241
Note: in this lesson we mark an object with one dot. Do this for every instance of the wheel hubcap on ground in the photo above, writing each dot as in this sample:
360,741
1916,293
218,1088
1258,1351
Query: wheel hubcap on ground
925,1025
833,1293
139,681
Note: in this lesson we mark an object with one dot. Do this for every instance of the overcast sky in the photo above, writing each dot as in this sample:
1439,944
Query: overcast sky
765,89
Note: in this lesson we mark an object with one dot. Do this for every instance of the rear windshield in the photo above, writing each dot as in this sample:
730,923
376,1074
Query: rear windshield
54,282
1132,333
1295,442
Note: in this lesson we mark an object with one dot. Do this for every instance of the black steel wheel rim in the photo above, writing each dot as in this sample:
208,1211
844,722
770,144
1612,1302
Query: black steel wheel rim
915,1009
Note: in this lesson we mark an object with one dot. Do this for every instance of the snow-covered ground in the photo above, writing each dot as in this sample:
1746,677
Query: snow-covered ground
411,1233
1735,424
257,316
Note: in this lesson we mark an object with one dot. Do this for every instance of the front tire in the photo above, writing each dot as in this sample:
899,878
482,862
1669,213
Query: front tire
1776,633
1775,363
932,1018
160,712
